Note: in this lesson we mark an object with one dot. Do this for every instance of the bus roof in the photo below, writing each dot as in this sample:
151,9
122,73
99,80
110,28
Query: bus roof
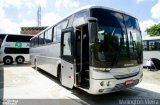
151,38
93,6
17,34
85,8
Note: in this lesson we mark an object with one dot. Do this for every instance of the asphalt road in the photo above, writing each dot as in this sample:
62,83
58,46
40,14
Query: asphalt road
30,87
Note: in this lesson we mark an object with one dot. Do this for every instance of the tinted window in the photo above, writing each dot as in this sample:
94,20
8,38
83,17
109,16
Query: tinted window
134,38
67,48
48,36
67,44
16,50
36,41
32,43
58,34
110,38
18,38
70,21
58,29
41,39
80,18
1,39
115,42
151,45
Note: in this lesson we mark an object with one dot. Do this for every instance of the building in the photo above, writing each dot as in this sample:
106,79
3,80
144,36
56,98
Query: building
32,30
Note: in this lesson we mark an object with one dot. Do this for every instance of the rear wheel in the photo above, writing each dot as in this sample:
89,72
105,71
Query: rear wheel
34,63
59,73
8,60
20,60
60,77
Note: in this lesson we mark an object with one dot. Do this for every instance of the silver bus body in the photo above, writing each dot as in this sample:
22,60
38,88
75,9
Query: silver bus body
66,57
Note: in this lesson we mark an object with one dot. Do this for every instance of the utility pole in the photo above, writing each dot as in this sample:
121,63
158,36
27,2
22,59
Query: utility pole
39,16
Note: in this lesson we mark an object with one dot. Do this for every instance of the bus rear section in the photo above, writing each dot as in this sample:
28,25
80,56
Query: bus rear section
15,48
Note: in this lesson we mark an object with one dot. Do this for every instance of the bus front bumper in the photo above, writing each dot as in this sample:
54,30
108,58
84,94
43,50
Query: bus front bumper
103,86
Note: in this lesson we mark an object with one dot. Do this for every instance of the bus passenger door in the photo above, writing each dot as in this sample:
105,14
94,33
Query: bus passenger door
67,59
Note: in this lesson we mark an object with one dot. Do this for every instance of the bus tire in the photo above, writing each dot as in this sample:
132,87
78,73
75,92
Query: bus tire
59,73
34,63
20,59
8,60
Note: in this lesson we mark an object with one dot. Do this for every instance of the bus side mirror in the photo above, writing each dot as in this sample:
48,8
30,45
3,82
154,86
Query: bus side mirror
92,27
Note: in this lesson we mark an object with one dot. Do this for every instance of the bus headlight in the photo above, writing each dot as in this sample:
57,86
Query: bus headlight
109,83
102,83
103,69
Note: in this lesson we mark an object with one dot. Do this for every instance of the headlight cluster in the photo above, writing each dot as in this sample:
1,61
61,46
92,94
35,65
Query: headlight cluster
103,69
106,83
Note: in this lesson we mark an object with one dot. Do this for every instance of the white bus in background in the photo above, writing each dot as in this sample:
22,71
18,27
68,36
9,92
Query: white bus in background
96,49
151,48
14,47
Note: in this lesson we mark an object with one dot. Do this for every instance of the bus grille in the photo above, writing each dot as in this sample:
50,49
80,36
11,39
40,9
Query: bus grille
126,75
122,86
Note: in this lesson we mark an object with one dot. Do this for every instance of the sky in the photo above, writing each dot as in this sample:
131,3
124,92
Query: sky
22,13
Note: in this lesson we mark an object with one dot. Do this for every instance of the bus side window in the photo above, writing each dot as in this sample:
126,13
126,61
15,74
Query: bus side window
31,43
36,41
58,29
55,34
58,35
41,39
48,36
1,39
79,18
15,38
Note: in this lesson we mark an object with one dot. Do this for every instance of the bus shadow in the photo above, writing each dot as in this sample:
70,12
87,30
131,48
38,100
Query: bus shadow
111,98
49,76
15,65
115,98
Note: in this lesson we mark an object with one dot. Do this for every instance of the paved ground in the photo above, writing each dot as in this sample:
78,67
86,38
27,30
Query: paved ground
23,82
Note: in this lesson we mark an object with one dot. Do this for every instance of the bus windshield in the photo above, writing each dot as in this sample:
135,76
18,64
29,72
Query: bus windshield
118,42
1,39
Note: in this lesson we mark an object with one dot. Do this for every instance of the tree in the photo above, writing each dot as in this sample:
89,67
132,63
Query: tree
154,30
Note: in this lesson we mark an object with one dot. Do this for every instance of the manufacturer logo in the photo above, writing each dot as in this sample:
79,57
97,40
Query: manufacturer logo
128,64
18,44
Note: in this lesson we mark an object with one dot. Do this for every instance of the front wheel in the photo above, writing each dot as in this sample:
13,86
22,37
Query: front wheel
59,74
60,77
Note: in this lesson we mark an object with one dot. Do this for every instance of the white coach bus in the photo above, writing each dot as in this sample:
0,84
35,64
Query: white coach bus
14,47
151,48
96,49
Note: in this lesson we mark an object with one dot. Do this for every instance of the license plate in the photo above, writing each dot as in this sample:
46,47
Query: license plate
128,82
